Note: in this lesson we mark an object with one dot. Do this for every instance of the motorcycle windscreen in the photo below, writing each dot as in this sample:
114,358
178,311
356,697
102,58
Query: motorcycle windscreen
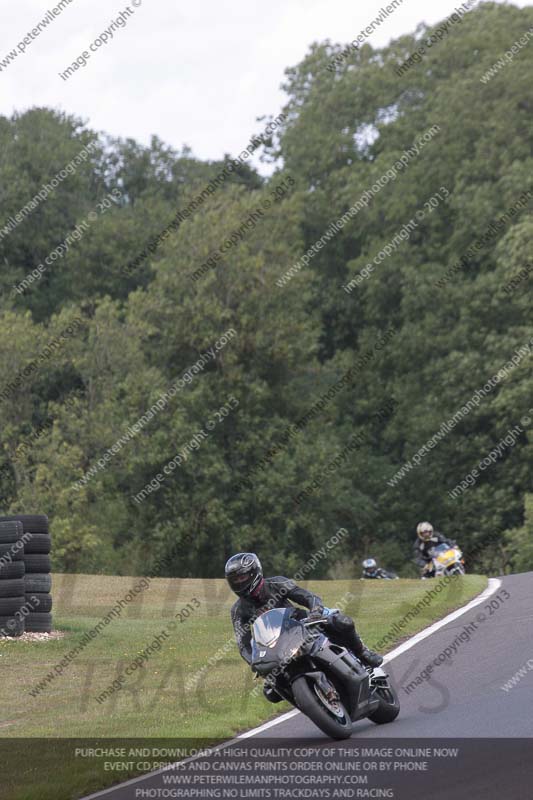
444,554
268,627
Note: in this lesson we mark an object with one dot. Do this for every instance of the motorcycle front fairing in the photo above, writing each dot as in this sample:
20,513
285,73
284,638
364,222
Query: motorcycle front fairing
444,554
446,557
277,636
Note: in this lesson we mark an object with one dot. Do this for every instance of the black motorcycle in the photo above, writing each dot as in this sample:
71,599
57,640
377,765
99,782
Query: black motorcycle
324,680
379,574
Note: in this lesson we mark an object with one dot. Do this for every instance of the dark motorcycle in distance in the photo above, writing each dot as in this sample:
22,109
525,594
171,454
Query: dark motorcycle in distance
379,574
322,679
371,571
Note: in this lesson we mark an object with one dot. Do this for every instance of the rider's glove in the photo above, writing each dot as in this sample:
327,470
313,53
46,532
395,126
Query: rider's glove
316,613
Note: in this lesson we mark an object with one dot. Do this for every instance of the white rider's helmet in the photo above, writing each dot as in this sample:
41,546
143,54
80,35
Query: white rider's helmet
424,531
370,563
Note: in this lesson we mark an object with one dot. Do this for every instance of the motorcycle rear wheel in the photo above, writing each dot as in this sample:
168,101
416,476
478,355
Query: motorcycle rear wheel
389,706
337,725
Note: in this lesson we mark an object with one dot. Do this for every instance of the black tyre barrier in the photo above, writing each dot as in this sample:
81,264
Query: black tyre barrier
12,587
10,532
37,562
39,623
10,605
37,543
37,582
40,602
12,552
25,580
33,523
14,570
11,626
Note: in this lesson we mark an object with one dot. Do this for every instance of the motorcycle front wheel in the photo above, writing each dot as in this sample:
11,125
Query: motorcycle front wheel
457,569
331,717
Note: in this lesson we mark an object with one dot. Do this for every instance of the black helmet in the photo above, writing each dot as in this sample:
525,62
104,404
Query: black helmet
244,573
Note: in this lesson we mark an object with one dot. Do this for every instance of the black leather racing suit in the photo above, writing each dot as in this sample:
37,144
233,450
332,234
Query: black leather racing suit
277,593
422,548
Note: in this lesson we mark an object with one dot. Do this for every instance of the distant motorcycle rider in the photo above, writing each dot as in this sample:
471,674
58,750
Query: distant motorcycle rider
426,539
257,594
371,571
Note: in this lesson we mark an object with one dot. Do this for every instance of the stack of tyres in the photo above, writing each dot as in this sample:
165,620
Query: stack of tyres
37,578
12,597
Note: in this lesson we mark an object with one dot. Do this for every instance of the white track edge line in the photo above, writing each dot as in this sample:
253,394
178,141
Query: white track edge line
270,724
493,586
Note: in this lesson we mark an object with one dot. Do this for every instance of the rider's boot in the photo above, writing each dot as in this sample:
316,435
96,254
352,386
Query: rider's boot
369,657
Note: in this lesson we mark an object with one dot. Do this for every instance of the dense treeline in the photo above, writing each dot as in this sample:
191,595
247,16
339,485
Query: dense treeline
116,359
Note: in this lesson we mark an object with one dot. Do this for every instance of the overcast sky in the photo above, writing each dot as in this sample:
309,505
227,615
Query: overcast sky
195,73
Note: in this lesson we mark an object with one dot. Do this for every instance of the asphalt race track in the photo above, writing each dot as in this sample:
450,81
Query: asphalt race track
460,705
462,698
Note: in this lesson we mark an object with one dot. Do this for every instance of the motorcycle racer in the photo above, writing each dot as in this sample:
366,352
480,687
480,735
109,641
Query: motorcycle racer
426,539
257,594
371,571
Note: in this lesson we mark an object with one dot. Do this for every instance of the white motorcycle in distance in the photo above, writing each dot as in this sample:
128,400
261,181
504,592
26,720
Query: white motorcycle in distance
445,560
